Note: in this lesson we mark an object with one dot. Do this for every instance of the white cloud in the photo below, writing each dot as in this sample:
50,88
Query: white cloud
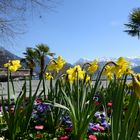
115,23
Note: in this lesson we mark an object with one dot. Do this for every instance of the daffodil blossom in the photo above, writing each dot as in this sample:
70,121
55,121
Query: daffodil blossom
108,72
136,85
87,78
13,65
48,76
92,67
56,64
74,73
121,68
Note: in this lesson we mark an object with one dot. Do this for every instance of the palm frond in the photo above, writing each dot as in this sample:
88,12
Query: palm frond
133,25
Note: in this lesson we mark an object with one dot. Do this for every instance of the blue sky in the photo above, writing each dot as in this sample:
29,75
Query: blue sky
83,29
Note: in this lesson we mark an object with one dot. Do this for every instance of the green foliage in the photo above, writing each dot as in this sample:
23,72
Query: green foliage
41,51
55,101
79,99
30,59
125,116
18,119
74,99
133,24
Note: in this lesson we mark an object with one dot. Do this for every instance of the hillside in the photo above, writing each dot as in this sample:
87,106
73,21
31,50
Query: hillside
6,55
136,69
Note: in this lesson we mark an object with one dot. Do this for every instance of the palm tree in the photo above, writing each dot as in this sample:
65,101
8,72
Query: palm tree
42,50
30,60
134,23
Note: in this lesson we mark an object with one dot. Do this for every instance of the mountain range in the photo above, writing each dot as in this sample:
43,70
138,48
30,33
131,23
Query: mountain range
6,55
134,61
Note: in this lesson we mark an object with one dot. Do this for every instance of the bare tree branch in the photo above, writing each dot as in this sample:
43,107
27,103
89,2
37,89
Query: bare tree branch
13,15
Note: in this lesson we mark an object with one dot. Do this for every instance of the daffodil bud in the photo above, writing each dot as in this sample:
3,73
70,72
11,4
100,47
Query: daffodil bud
136,85
48,76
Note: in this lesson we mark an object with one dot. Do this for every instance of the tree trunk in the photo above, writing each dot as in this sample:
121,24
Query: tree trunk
42,63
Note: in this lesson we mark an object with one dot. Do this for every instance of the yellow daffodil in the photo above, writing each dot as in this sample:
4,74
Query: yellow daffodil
122,67
13,65
56,64
136,84
87,78
6,65
93,67
108,72
74,73
118,71
122,62
48,76
71,74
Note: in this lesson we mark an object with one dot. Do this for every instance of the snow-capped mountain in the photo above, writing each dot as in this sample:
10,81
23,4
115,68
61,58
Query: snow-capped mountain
134,61
82,61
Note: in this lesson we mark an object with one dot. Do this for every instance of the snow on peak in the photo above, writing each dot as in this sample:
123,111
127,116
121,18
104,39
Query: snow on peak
134,61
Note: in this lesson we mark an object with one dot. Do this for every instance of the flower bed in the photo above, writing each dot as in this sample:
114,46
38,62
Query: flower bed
73,107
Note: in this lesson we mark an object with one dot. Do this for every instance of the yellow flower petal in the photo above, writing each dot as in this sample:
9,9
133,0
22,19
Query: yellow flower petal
108,72
93,67
48,76
13,65
57,64
74,73
136,85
